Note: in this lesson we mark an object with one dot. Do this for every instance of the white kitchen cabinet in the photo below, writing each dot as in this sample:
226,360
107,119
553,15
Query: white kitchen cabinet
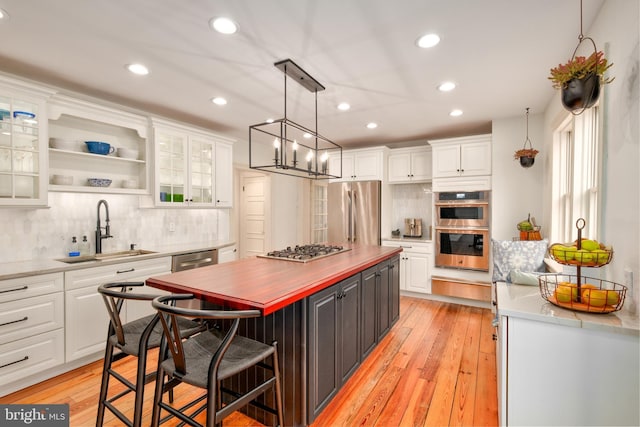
224,175
359,165
76,121
408,165
23,152
187,169
416,260
86,316
462,157
562,367
31,326
227,254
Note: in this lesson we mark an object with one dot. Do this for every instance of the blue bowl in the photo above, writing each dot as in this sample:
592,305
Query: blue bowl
97,147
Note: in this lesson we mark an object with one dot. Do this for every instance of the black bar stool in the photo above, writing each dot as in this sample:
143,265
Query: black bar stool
132,339
207,359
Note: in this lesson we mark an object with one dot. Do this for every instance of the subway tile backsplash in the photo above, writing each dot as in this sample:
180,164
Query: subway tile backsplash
46,233
410,201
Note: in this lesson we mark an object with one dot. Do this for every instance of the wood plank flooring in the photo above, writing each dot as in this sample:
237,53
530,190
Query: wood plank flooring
436,367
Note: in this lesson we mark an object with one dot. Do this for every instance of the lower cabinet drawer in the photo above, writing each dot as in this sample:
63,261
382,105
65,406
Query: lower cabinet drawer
25,357
31,316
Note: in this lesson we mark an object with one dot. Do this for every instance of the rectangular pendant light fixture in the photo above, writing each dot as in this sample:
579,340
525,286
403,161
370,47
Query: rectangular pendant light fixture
294,149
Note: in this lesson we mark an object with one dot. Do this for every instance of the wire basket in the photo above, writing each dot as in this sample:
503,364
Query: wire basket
569,254
582,293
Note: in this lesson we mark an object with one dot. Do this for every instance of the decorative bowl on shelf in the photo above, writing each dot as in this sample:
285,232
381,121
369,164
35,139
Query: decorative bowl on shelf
99,182
127,153
62,180
99,147
582,293
63,144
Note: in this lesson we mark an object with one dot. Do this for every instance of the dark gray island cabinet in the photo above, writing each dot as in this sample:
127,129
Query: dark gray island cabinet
346,321
327,316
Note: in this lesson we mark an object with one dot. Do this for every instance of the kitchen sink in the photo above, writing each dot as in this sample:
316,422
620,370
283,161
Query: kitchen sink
107,256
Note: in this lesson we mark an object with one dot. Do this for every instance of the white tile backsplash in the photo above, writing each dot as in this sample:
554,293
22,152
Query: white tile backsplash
46,233
410,201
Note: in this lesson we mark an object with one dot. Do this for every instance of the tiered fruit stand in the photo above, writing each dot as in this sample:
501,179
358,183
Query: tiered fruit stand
584,293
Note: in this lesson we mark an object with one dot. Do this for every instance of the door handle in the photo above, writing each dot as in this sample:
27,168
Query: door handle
355,215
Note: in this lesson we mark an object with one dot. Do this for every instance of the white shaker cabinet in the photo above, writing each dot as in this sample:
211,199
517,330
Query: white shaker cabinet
468,156
562,367
31,326
416,260
227,254
408,165
359,165
193,167
86,315
23,145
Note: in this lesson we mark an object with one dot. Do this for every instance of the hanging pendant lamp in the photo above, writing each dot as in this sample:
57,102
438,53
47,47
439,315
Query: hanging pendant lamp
285,147
526,156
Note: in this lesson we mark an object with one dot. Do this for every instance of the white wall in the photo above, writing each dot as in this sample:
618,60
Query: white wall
516,191
617,31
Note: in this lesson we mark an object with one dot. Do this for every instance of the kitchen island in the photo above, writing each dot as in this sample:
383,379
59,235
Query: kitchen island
326,314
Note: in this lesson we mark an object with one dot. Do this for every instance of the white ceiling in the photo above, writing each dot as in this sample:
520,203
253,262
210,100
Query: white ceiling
499,52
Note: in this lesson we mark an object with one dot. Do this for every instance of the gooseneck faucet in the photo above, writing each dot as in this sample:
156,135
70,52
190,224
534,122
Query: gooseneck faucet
99,235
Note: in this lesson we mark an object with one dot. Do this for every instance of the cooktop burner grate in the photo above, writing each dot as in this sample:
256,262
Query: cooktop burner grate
304,253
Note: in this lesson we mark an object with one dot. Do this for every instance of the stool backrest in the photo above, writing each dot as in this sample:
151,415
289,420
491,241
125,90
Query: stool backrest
169,314
114,295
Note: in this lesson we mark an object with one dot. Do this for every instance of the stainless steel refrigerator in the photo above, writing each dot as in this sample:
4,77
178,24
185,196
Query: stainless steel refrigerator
353,212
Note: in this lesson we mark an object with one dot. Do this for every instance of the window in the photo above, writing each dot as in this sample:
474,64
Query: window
577,162
318,212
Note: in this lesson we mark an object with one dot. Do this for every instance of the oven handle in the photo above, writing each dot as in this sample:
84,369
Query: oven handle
462,230
465,203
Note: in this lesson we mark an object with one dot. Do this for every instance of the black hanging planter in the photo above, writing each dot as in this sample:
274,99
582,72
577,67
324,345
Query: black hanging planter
527,161
580,94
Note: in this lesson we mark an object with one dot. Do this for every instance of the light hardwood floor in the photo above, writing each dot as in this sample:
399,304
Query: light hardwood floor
436,367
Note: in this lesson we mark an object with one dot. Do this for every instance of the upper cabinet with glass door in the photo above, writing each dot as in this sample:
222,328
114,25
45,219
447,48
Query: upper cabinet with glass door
189,164
23,161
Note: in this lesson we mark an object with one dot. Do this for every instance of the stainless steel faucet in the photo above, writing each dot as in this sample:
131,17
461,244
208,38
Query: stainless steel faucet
99,235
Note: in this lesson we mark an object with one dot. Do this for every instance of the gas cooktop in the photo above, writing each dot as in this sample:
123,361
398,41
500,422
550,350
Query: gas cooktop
305,253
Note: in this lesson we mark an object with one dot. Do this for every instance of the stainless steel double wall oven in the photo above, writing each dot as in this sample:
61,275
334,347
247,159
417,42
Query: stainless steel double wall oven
462,229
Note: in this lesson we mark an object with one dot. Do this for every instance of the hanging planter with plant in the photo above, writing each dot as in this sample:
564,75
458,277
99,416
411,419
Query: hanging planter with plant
527,156
580,78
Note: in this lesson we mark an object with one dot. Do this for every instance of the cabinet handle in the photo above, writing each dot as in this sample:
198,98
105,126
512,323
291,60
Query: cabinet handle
494,337
25,287
25,318
462,170
406,247
13,363
125,271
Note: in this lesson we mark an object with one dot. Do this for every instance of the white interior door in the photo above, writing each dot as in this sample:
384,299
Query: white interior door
254,215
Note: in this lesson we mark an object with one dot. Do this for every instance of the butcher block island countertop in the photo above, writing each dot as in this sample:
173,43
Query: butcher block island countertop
270,284
299,302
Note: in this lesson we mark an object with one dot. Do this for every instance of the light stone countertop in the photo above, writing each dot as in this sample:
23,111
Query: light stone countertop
17,269
526,302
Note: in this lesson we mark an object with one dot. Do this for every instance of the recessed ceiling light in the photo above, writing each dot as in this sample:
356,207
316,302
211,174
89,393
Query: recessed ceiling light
218,100
3,14
307,135
455,113
138,69
223,25
343,106
372,125
269,120
428,40
446,86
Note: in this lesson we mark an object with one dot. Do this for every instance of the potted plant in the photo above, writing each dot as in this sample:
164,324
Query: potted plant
580,79
526,156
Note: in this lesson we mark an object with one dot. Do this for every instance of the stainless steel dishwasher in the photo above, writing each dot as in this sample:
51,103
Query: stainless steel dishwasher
193,260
